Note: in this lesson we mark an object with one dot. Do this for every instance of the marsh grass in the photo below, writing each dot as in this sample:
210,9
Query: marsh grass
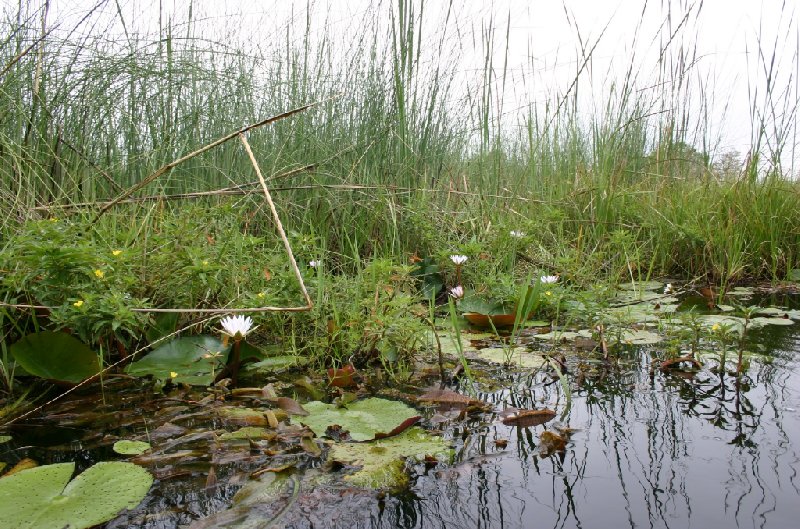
400,158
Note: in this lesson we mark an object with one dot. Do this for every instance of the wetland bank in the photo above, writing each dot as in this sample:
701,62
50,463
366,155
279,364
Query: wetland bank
363,302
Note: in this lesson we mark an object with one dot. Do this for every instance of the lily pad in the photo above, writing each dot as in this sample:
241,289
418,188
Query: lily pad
761,320
56,356
273,363
640,337
382,462
564,335
248,432
4,439
44,498
131,448
641,285
518,356
195,359
366,419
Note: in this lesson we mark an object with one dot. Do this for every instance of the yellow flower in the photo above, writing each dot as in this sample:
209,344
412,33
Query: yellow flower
99,274
53,219
204,263
78,303
548,293
260,295
115,253
173,374
715,327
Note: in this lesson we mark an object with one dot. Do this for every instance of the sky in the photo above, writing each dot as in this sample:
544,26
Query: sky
732,43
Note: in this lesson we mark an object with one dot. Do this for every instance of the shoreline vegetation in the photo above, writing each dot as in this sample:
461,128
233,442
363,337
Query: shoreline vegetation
394,170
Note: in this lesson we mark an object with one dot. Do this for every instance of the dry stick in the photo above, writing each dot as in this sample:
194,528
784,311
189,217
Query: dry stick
93,377
278,225
168,167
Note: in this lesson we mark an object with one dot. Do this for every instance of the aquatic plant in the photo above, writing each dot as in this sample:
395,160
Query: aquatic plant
45,498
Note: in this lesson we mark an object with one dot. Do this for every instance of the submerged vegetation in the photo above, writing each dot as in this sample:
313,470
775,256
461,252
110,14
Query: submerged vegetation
429,229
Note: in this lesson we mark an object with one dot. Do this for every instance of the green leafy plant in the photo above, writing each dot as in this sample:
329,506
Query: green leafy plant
45,498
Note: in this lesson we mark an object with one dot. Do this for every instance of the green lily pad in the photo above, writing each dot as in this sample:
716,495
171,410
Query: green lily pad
236,415
131,448
382,462
741,292
248,432
447,339
640,337
365,419
564,335
778,312
734,323
760,320
44,498
641,285
56,356
518,356
273,363
4,439
184,356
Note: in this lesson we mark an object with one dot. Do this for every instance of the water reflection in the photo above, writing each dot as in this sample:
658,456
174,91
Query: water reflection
653,450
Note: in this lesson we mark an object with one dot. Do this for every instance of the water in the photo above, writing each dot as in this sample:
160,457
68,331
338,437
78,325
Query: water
650,449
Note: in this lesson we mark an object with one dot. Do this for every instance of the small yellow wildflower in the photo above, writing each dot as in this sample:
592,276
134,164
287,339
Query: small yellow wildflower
99,274
53,219
173,374
204,263
548,293
78,303
260,295
115,253
715,327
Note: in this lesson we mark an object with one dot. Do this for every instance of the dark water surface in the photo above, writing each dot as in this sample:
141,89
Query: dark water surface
650,450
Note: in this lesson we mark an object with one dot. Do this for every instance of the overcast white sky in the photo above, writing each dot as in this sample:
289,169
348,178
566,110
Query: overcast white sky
546,38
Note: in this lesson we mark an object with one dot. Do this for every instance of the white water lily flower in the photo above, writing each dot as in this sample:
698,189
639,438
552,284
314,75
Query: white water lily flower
237,327
457,292
458,259
548,279
517,234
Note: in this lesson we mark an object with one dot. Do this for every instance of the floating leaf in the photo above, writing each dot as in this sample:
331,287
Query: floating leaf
342,377
247,416
44,498
447,399
56,356
248,432
131,448
365,419
528,418
515,355
195,359
640,337
771,321
564,335
23,464
273,363
290,406
382,462
641,285
4,439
